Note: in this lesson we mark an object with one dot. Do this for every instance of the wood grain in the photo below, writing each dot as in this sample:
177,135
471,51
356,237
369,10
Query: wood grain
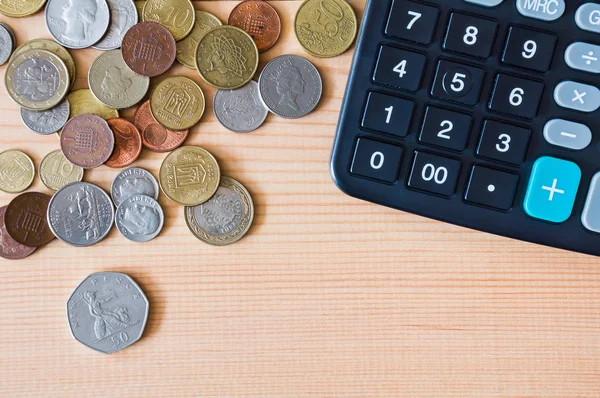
327,296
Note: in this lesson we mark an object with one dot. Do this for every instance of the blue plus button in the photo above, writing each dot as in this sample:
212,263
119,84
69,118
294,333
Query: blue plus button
552,189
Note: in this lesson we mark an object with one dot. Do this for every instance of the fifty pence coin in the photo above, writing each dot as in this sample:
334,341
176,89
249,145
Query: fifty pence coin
149,49
260,20
241,110
114,84
83,102
53,47
107,312
81,214
77,23
16,171
140,218
7,44
176,15
87,141
290,86
155,136
177,103
26,220
225,218
56,171
49,121
20,8
123,15
133,181
128,143
186,48
10,249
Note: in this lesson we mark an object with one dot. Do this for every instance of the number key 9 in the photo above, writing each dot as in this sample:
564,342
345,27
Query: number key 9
527,48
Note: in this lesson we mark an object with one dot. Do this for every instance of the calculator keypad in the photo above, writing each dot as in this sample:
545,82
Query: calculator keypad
529,48
516,96
376,160
492,188
399,68
412,21
503,142
458,82
388,114
445,128
435,174
470,35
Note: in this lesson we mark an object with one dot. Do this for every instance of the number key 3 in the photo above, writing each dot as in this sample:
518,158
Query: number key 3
504,142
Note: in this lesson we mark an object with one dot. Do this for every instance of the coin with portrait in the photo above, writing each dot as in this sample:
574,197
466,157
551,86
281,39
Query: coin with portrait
77,23
133,181
123,15
140,218
177,103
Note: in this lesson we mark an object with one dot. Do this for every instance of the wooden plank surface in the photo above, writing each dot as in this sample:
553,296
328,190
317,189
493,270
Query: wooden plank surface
327,296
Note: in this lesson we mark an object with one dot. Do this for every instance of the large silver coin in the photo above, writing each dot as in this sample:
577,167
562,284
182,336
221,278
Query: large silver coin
241,110
77,23
140,218
7,43
133,181
123,15
107,312
47,122
80,214
290,86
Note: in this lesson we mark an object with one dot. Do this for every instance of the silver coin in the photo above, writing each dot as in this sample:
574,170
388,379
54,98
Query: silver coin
140,218
80,214
47,122
123,15
133,181
7,43
107,312
290,86
12,35
241,110
77,23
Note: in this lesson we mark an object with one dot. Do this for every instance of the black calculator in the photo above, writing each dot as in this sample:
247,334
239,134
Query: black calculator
481,113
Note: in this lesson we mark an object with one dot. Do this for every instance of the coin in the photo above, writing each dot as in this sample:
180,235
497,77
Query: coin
37,80
10,249
81,214
16,171
83,102
56,171
177,103
77,23
20,8
326,28
133,181
225,218
154,136
227,58
176,15
139,5
49,121
114,84
189,176
149,49
25,219
260,20
290,86
123,15
186,48
7,43
128,143
11,34
241,110
53,47
107,312
87,141
140,218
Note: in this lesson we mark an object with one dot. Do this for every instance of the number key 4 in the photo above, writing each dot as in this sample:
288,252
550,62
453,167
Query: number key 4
399,68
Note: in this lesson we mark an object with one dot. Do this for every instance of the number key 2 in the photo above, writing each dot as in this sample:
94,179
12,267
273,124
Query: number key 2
412,21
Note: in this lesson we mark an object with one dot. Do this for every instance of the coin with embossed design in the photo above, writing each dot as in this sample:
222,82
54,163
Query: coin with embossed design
49,121
227,57
10,249
20,8
114,84
155,136
77,23
240,110
81,214
87,141
107,312
7,43
139,5
177,103
140,218
83,102
149,49
53,47
26,221
128,143
260,20
176,15
133,181
186,48
16,171
225,218
123,15
56,171
189,175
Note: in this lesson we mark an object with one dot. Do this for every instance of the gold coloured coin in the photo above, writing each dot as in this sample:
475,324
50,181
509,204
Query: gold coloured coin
37,80
177,103
186,48
17,171
176,15
189,176
83,102
56,171
20,8
53,47
227,58
139,5
114,84
326,28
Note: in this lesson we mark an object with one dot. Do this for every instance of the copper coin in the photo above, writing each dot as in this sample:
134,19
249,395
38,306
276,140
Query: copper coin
10,249
149,49
26,219
260,20
87,141
154,136
128,143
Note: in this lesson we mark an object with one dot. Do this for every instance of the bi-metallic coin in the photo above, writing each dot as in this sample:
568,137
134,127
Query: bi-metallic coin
77,23
140,218
133,181
16,171
240,110
53,47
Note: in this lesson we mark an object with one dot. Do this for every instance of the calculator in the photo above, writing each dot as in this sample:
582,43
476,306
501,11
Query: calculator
480,113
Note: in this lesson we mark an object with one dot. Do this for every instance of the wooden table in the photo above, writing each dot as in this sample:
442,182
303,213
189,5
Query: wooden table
326,297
